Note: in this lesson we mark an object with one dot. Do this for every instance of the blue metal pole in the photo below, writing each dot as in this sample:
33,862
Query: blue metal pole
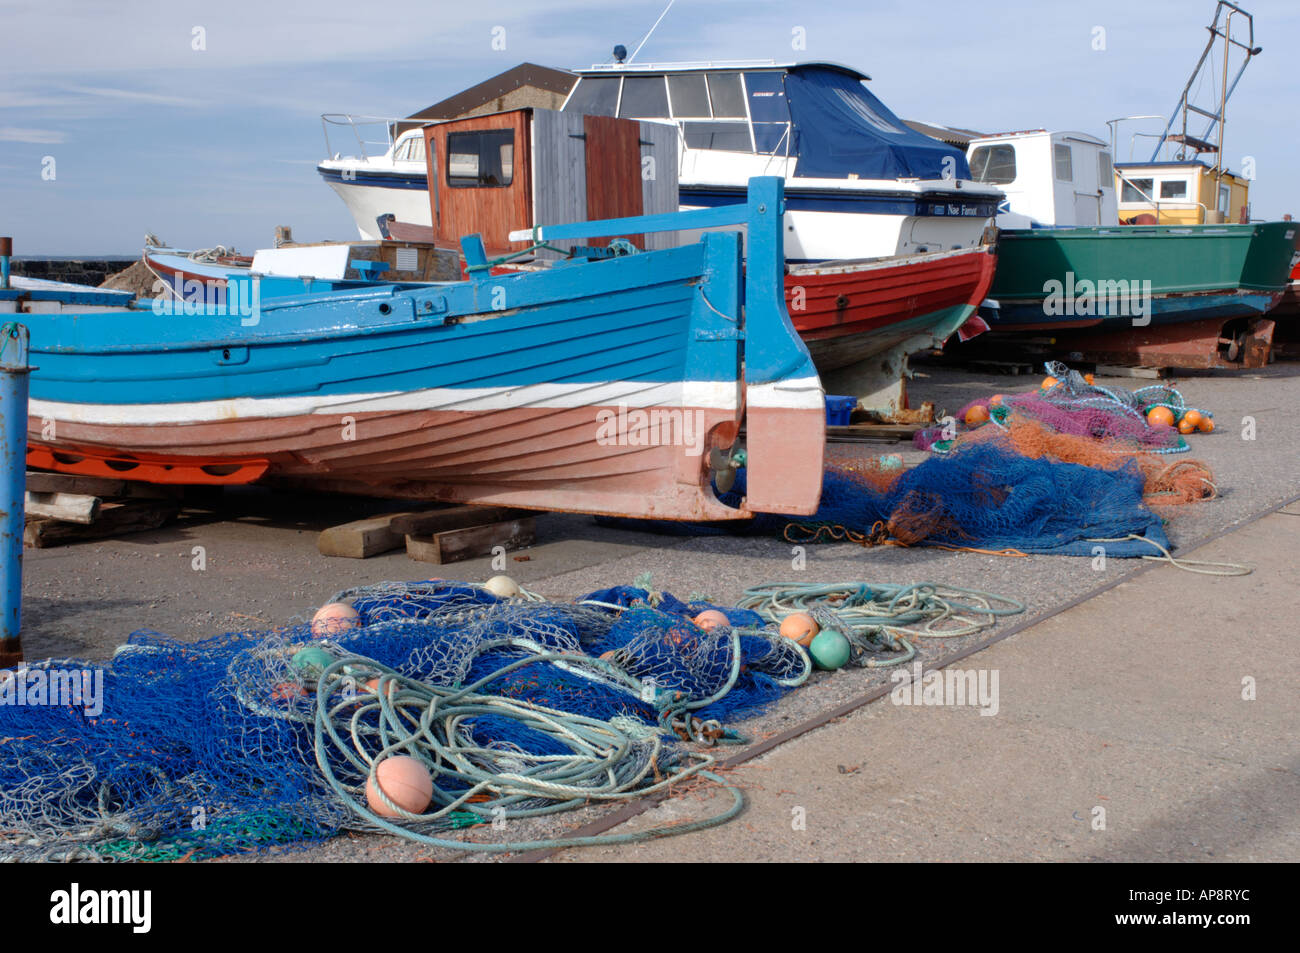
14,371
6,249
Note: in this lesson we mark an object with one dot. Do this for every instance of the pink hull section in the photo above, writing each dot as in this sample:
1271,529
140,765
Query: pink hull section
650,462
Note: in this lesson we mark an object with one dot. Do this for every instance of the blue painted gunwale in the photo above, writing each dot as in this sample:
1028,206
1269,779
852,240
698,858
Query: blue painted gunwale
86,295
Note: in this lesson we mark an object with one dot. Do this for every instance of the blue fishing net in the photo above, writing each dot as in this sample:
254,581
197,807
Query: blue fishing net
981,496
207,748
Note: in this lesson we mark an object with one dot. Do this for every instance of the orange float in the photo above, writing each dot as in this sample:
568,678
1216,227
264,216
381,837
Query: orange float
1160,416
801,627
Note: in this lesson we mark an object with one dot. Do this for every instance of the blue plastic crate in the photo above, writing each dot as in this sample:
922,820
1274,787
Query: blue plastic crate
838,410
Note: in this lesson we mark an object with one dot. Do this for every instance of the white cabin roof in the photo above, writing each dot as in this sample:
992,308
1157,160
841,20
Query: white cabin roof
699,66
1029,133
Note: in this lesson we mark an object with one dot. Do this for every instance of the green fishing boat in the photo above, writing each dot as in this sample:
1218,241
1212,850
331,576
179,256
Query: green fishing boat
1129,276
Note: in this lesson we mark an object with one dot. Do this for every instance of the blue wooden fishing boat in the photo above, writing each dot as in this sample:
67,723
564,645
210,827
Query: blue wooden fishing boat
614,385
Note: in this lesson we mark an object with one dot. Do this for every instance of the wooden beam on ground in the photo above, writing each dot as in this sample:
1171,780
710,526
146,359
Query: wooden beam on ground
1124,370
455,517
854,433
455,545
114,519
69,507
39,481
372,536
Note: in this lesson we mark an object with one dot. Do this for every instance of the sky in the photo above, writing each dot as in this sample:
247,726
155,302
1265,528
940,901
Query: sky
200,121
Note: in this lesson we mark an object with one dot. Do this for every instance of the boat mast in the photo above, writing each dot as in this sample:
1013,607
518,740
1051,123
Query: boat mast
651,30
1190,145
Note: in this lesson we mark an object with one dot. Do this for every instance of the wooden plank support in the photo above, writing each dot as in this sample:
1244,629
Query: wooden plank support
39,481
862,432
1127,370
69,507
452,546
455,517
362,539
114,519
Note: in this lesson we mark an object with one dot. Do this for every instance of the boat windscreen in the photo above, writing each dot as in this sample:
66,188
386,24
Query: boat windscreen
595,96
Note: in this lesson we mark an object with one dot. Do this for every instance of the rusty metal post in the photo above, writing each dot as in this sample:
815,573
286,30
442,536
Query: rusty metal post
14,371
6,250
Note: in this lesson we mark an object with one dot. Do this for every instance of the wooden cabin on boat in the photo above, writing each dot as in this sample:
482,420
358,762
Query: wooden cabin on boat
493,174
1180,193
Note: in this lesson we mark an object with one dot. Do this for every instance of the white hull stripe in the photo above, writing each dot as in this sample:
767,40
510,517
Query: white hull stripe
803,393
709,395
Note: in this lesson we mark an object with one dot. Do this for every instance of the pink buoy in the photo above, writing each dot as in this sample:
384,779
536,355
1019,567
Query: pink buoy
407,783
333,618
711,618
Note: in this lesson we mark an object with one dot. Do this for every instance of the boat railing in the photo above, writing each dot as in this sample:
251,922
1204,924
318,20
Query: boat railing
677,66
356,129
1125,180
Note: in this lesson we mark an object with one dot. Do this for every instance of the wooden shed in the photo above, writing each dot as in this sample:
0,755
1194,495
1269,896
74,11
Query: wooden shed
494,174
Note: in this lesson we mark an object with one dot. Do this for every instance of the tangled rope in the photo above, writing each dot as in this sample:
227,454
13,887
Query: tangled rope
602,761
882,617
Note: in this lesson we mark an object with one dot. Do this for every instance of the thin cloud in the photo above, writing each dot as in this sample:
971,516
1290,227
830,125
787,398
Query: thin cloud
133,95
41,136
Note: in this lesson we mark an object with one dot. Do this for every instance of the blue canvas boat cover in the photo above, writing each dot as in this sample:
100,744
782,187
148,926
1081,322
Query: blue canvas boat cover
841,129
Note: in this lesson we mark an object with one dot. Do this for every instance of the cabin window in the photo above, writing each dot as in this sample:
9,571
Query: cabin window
595,96
1225,199
484,159
412,150
853,99
727,96
1137,190
1173,189
1105,171
644,97
995,165
1064,159
723,136
689,96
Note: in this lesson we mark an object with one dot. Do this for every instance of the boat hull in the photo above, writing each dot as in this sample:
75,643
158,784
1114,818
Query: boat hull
1192,297
849,312
372,194
859,220
598,387
541,457
1061,278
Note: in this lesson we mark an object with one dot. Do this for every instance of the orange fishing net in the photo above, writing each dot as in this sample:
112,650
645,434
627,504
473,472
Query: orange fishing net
1184,481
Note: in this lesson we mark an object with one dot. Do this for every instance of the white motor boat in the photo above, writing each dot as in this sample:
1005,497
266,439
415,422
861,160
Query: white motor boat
859,182
386,177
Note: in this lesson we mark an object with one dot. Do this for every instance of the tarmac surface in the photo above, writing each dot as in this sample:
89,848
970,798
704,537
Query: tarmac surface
1130,701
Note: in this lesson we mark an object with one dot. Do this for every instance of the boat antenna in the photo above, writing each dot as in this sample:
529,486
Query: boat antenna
652,29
